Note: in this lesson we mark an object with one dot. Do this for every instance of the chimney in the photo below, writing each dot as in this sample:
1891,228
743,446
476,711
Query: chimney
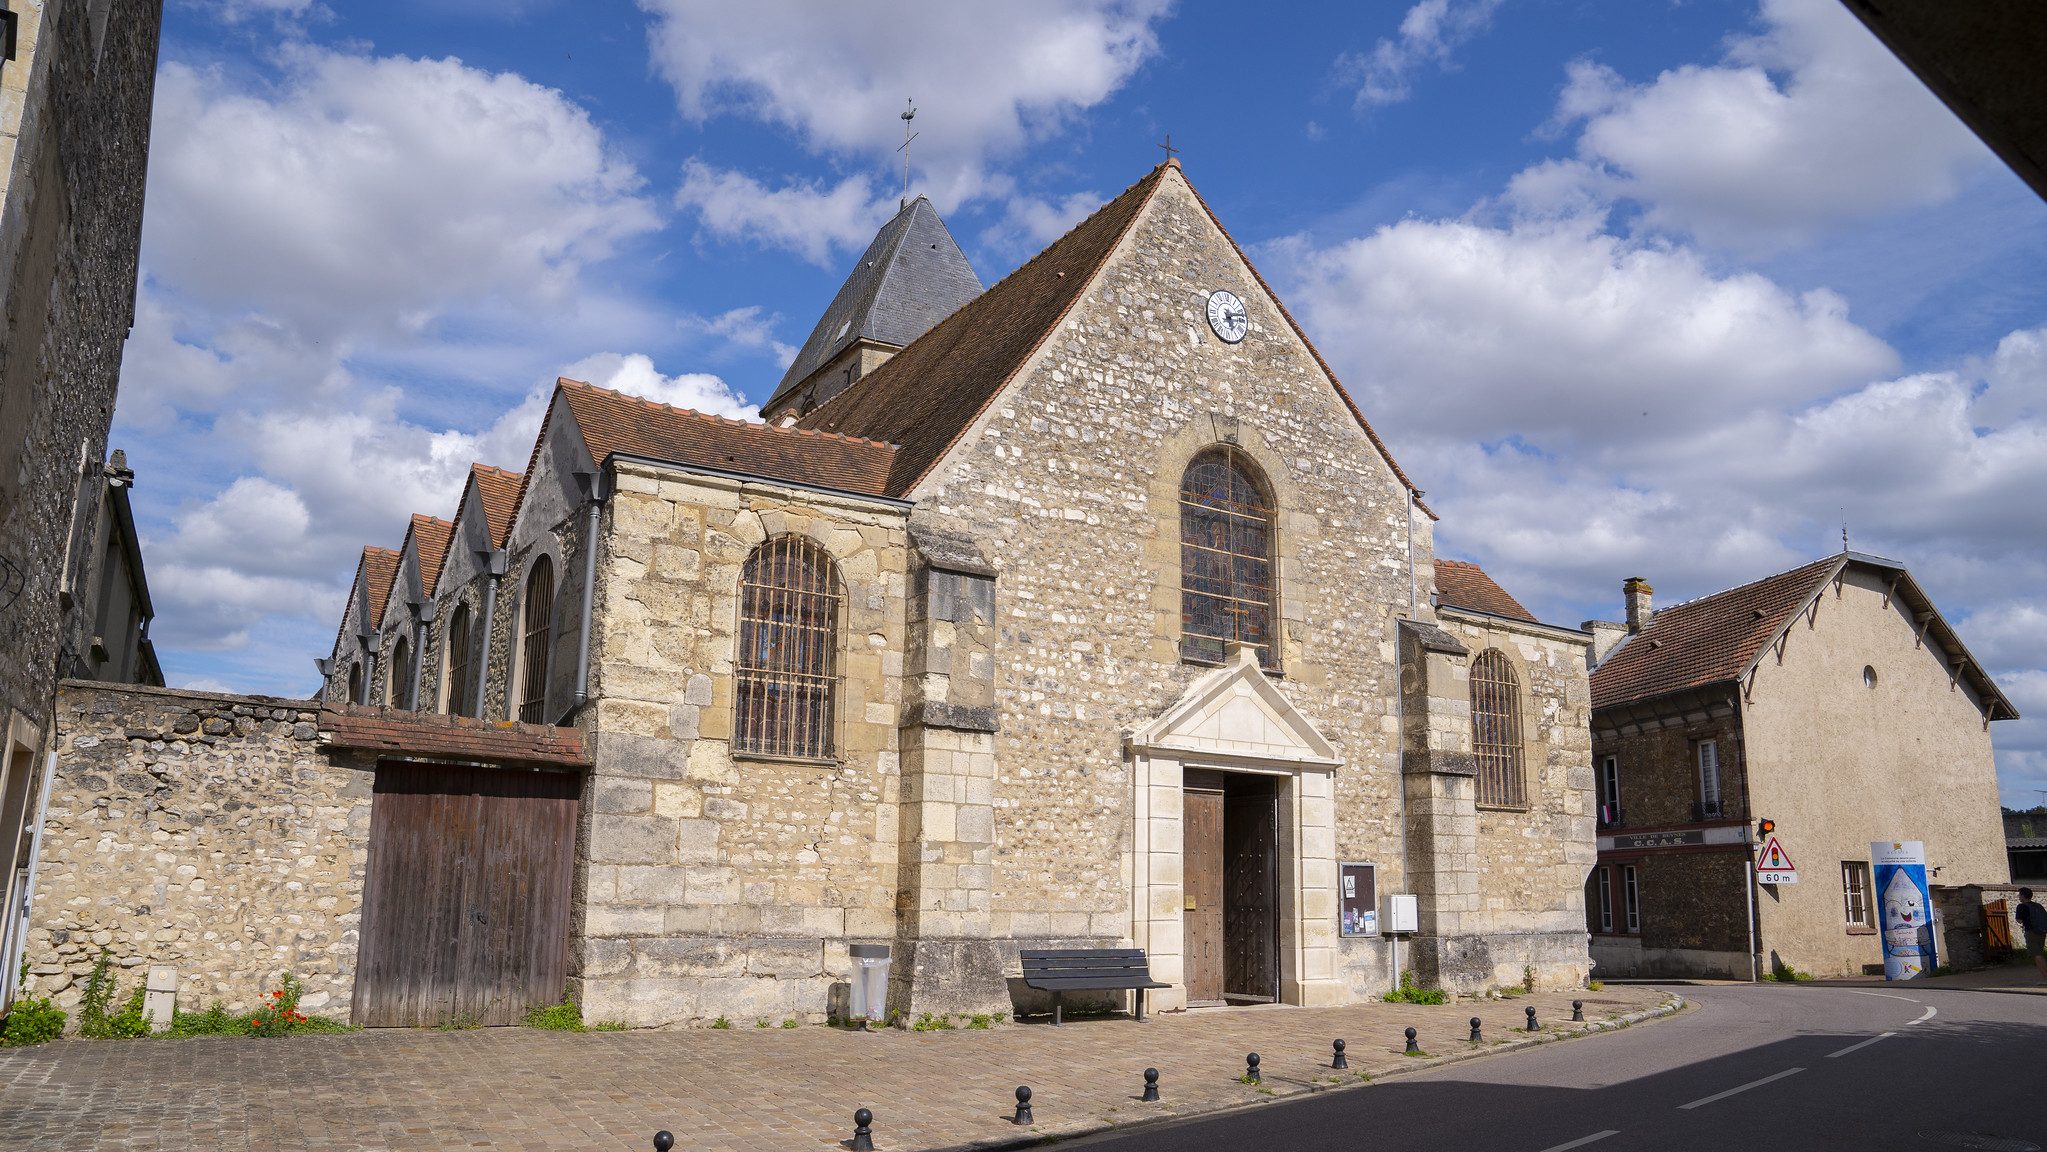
1606,636
1636,592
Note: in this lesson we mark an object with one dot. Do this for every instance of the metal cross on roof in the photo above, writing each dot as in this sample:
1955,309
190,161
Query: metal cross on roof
909,114
1170,150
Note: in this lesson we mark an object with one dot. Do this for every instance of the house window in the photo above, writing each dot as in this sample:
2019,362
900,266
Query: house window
1496,731
1855,893
1610,790
399,692
461,681
1225,558
786,674
1709,780
1603,881
539,629
1631,897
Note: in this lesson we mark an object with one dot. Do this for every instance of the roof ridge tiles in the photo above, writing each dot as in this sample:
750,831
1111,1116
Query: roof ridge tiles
1730,590
733,421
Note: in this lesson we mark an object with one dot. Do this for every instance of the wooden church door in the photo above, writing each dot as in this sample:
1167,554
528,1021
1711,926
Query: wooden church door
1202,866
1251,882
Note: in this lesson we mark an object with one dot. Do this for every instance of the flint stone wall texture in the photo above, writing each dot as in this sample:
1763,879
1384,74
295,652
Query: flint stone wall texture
1071,483
209,833
714,883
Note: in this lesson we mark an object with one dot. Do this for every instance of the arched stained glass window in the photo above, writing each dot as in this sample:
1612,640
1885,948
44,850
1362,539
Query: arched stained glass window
461,675
539,624
787,670
1226,577
1496,731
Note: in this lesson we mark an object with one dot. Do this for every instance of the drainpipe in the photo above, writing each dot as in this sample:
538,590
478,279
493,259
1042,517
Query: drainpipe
496,561
594,488
1413,588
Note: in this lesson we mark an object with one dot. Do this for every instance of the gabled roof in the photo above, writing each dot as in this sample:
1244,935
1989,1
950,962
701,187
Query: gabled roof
379,568
912,276
614,423
430,542
1463,585
928,395
1719,638
498,490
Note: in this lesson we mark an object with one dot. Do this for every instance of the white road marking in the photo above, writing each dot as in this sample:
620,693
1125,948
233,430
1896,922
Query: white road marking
1885,995
1864,1044
1745,1087
1929,1014
1583,1140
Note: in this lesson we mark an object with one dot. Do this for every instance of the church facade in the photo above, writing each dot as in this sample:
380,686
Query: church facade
1084,610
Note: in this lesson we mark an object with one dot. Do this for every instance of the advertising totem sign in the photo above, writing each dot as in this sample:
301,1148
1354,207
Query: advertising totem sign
1905,906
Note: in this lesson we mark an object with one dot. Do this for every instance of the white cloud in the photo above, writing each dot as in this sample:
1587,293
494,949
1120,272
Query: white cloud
1029,223
1809,123
1429,34
238,11
635,375
810,220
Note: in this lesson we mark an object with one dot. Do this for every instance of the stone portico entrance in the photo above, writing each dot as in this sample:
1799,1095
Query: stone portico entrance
1231,723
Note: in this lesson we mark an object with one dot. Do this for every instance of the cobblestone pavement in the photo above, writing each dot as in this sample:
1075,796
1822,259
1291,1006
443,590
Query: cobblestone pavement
520,1089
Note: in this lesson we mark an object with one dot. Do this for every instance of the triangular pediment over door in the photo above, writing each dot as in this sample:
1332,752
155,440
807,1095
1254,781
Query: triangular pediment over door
1236,712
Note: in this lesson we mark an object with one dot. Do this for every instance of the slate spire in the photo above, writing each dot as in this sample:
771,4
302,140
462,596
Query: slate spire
912,276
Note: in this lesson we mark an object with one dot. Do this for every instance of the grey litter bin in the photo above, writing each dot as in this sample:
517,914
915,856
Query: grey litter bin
870,982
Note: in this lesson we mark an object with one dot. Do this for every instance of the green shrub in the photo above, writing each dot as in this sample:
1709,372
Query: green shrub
1409,993
1593,985
721,1022
99,992
279,1012
1528,977
129,1023
32,1020
566,1016
791,1022
215,1021
929,1023
610,1026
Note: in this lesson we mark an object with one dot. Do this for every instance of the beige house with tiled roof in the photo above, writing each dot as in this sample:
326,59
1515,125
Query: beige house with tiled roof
1094,614
1833,699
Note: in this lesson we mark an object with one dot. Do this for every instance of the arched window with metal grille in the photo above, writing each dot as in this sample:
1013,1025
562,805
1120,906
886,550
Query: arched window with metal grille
534,649
461,678
1496,731
399,692
1226,548
787,673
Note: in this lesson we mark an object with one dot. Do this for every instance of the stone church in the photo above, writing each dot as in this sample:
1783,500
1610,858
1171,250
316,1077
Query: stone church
1083,609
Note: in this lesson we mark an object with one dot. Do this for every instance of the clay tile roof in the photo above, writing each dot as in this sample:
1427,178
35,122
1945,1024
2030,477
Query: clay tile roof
499,491
1708,640
432,735
380,567
430,538
612,422
926,396
1462,585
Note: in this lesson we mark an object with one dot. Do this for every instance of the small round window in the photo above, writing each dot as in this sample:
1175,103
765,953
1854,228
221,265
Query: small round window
1868,676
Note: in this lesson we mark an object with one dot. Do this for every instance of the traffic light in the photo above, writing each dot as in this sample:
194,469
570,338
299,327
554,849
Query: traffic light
1765,827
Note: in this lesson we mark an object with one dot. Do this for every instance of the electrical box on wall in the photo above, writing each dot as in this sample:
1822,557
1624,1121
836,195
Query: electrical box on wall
1401,914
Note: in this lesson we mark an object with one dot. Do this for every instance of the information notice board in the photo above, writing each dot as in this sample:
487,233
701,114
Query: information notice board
1358,899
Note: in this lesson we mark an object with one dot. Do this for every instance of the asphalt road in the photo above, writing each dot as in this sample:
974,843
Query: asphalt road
1750,1067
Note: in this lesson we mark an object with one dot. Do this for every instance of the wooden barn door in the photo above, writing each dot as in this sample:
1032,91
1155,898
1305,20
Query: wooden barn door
466,903
1251,882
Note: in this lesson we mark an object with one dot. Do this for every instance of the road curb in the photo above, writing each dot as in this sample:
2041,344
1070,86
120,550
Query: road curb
1073,1130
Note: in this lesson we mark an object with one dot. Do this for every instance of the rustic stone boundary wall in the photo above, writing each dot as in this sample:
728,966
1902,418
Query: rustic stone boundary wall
210,833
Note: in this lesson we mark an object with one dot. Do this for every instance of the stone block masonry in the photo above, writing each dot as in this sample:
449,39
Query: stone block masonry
211,834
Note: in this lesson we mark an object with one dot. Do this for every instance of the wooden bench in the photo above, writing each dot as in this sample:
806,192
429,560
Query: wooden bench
1063,970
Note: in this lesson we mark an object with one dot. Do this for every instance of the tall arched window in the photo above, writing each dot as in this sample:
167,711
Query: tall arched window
1225,557
1496,731
461,679
355,683
787,672
399,693
539,631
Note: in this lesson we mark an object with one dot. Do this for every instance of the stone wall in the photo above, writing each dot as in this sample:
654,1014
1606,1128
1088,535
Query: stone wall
1532,861
209,833
1659,767
718,883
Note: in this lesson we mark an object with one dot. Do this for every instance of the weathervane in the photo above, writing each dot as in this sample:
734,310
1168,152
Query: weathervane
909,114
1170,150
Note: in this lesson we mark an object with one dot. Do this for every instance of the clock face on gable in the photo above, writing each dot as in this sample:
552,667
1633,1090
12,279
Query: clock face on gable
1227,316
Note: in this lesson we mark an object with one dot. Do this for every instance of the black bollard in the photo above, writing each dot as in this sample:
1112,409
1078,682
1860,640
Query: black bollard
1577,1009
663,1141
1341,1061
1532,1025
1151,1084
1251,1069
1413,1049
1475,1038
1023,1105
863,1136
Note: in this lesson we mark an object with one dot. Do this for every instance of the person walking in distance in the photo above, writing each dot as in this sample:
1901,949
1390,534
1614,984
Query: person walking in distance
2033,919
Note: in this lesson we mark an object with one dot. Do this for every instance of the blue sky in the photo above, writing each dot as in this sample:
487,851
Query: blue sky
1653,289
